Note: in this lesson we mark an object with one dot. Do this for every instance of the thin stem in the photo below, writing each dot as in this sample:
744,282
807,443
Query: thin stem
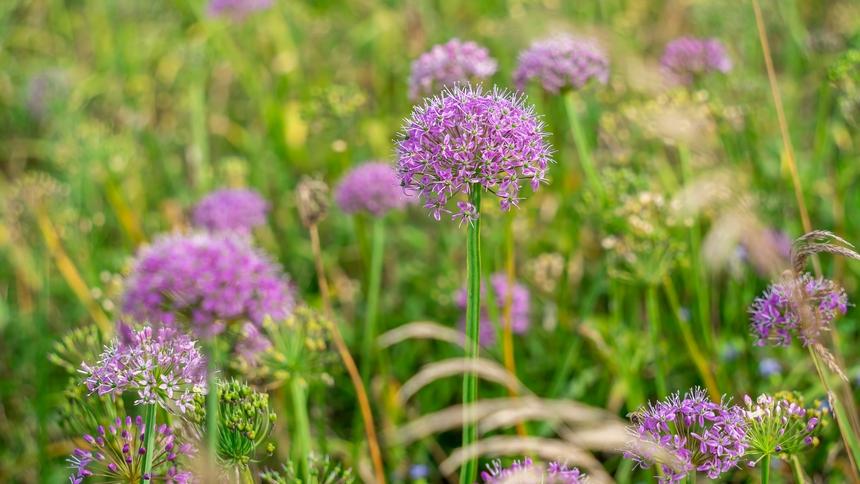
507,314
469,471
320,268
149,434
765,469
797,470
652,308
302,435
212,401
582,147
374,285
849,438
246,475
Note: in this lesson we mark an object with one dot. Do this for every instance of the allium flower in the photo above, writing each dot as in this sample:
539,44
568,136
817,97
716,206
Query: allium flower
373,188
562,62
796,306
464,138
231,210
117,454
320,469
312,199
163,366
237,9
447,64
780,425
207,280
687,58
520,298
526,472
697,434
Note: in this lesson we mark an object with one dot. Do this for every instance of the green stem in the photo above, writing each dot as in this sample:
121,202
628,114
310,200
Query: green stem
212,401
652,307
302,434
582,147
149,434
374,285
246,476
799,475
765,469
691,477
852,443
469,471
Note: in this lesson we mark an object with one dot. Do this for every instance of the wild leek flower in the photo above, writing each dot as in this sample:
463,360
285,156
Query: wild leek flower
117,454
237,9
231,210
562,62
208,280
447,64
312,198
77,346
801,306
526,471
696,434
321,470
467,139
520,301
779,425
163,366
687,58
372,188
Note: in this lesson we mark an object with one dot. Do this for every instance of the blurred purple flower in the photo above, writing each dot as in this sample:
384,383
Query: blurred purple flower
562,62
231,210
208,281
520,302
687,58
447,64
699,435
465,138
769,367
117,454
373,188
163,366
526,471
796,306
237,9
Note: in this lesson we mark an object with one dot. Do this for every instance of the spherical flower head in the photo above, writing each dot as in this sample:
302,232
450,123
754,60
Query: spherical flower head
522,471
467,139
206,280
163,366
800,306
372,188
236,9
688,58
117,454
447,64
312,200
697,434
231,210
562,62
520,302
779,425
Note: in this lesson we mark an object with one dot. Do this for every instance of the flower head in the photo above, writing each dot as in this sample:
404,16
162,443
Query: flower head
207,280
237,9
373,188
163,366
520,300
466,139
796,306
779,425
117,454
687,58
231,210
312,199
697,434
447,64
525,471
562,62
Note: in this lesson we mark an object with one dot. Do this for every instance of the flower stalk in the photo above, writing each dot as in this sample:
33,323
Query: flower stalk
302,435
149,434
582,147
374,285
469,471
212,400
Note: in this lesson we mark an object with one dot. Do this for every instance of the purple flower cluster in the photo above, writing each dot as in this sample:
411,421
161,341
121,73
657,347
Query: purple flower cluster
562,62
526,471
163,366
447,64
698,435
373,188
802,306
779,425
687,58
466,139
237,9
208,280
117,454
520,300
231,210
